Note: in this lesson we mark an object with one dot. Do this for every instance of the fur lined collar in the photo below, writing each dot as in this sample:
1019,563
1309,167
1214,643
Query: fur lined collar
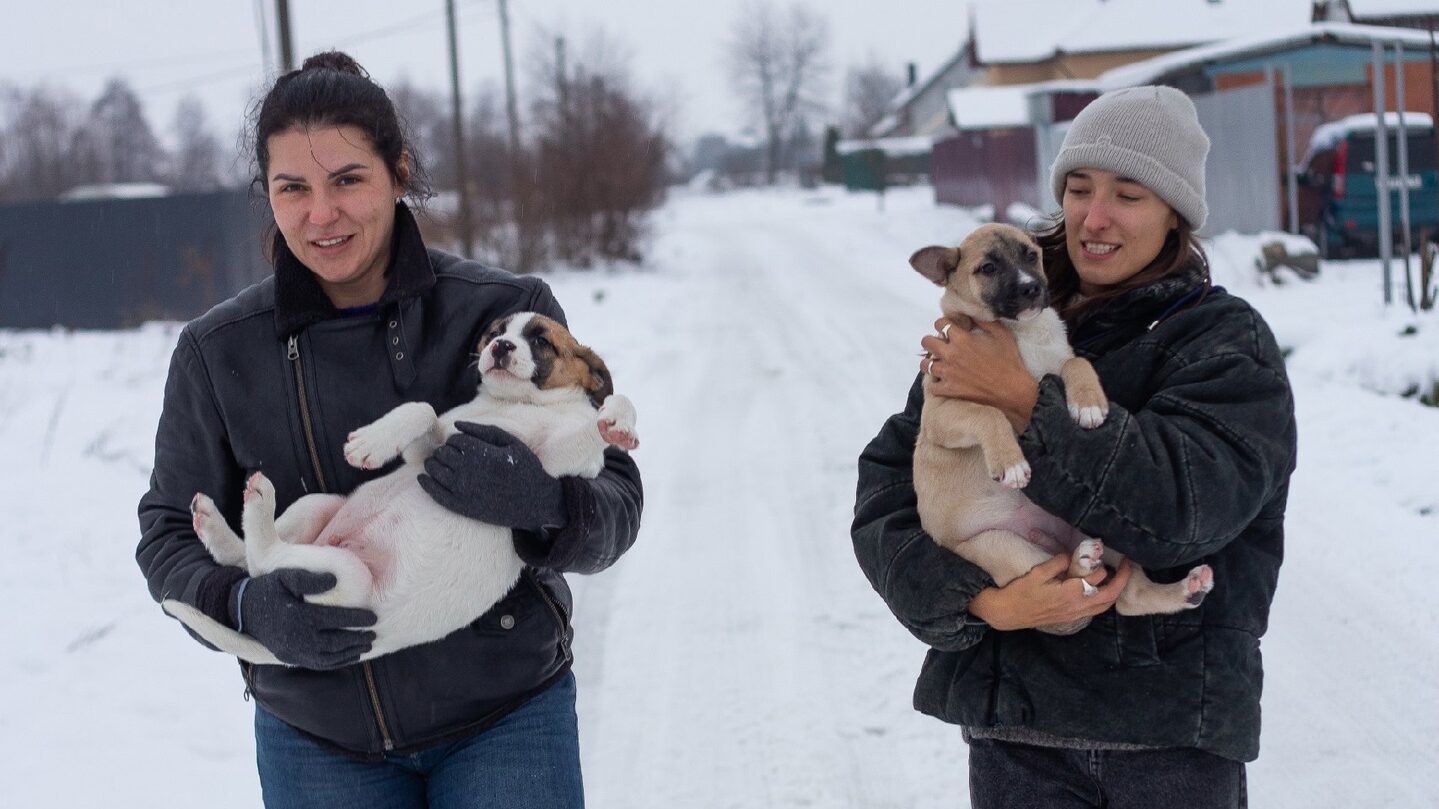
1137,309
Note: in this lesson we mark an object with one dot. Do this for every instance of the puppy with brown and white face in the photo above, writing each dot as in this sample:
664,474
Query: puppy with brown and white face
528,357
968,466
424,570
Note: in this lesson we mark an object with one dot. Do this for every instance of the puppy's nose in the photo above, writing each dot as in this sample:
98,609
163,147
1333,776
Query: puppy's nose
502,347
1030,290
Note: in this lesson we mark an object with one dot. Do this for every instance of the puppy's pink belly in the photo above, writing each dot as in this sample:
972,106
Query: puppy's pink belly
353,536
1037,526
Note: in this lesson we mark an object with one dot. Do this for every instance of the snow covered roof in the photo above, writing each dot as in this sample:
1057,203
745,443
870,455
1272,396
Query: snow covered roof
1152,70
884,126
1368,9
892,147
908,93
115,191
1329,134
1018,31
990,107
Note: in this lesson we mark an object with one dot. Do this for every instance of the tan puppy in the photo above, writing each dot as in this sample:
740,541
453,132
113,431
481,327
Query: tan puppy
425,570
968,467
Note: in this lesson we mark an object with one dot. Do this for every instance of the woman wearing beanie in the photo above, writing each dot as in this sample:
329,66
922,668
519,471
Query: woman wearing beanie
1190,467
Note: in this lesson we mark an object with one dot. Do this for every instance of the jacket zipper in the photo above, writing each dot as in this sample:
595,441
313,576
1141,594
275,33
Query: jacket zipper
554,610
309,430
309,427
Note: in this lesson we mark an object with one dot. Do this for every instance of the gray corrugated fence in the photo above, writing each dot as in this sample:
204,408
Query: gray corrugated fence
1243,174
116,263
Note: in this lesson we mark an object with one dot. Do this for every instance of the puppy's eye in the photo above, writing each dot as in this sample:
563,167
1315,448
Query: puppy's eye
1030,255
988,268
544,343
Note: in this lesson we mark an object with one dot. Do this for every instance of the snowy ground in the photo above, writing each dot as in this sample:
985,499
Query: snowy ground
736,657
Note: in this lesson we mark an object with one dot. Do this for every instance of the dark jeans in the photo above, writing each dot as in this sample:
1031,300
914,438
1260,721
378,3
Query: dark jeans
528,760
1004,775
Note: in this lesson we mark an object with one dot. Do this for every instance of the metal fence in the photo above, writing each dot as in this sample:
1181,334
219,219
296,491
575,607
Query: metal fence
116,263
1243,177
994,167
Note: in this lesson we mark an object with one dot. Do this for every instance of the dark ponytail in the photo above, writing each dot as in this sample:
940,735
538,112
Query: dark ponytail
331,89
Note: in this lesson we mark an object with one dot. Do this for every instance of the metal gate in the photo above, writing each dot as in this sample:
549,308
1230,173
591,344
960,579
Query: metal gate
1243,176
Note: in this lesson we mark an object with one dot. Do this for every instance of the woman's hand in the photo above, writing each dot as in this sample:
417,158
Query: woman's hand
486,474
981,366
1041,597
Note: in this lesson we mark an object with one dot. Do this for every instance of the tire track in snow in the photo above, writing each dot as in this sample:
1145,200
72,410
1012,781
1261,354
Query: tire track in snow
742,604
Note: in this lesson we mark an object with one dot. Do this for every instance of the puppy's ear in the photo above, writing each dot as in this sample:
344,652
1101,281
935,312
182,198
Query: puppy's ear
600,386
935,263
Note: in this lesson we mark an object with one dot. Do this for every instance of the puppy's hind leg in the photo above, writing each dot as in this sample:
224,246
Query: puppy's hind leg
354,584
1141,596
303,521
216,534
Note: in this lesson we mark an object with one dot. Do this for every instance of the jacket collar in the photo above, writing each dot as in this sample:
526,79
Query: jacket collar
1139,309
300,301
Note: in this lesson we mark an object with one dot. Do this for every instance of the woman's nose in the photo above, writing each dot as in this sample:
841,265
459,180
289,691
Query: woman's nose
323,210
1096,217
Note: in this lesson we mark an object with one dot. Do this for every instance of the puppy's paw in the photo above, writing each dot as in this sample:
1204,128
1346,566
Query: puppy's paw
1198,584
616,435
1015,475
260,494
616,422
370,447
1088,416
1087,558
204,516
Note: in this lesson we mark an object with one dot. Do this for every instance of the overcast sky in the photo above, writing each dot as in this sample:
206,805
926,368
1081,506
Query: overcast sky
213,48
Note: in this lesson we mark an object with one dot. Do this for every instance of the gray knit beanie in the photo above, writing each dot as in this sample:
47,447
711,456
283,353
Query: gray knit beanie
1149,134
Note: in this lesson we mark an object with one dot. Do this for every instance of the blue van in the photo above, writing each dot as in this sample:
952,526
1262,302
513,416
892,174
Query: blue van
1338,196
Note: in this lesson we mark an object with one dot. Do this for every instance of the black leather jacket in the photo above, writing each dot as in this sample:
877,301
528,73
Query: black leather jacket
273,380
1191,466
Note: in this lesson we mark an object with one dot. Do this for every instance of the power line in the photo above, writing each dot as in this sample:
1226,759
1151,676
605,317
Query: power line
134,65
250,66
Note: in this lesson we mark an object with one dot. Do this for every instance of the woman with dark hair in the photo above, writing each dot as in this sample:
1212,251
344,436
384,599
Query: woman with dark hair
1191,466
359,317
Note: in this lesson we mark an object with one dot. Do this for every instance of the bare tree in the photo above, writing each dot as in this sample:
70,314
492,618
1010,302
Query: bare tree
117,144
36,129
426,117
599,154
868,91
778,62
196,164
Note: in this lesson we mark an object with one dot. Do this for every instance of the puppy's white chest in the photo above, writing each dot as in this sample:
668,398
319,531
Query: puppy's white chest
1043,345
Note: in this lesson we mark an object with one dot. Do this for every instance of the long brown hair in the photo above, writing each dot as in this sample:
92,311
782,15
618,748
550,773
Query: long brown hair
1181,249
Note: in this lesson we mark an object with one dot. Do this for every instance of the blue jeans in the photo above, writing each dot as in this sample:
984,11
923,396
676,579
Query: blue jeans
531,758
1005,775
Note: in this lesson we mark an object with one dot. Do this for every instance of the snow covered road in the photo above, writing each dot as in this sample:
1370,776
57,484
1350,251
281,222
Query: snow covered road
736,657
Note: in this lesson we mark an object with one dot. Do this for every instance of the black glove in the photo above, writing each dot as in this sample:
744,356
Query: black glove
272,609
487,474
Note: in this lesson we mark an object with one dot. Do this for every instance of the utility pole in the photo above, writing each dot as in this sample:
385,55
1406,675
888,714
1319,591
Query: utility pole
562,78
462,174
511,105
518,197
1381,170
287,48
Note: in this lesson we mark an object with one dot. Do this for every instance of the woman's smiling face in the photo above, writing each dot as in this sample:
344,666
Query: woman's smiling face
1113,227
334,202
